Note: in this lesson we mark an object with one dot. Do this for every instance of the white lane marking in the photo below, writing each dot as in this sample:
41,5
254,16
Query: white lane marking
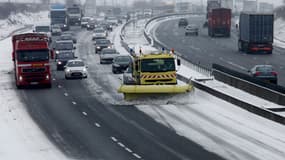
53,79
114,139
121,144
129,150
84,113
97,125
59,86
65,94
73,102
137,156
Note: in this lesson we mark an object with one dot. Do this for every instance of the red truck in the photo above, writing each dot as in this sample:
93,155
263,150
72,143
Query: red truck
31,56
219,22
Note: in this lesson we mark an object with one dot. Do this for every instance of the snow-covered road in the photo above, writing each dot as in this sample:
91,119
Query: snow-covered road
215,124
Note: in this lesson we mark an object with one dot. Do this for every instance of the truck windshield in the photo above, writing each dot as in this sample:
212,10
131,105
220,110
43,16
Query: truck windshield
64,46
57,14
32,55
73,10
42,29
158,65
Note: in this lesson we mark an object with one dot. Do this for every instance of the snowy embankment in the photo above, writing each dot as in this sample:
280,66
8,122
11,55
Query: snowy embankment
218,126
20,21
20,136
279,32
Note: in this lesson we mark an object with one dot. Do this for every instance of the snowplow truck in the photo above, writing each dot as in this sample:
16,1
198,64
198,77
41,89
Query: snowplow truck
154,74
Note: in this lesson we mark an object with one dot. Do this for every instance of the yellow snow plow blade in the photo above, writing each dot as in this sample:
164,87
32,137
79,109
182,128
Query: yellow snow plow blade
134,91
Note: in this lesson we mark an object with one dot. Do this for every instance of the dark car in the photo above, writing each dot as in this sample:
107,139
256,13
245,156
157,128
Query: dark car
121,63
265,73
183,22
66,36
64,51
91,25
101,44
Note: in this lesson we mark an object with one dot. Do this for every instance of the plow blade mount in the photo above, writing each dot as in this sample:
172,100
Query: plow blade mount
134,91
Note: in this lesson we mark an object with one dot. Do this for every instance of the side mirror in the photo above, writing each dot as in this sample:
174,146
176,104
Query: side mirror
178,62
34,31
74,47
86,66
75,57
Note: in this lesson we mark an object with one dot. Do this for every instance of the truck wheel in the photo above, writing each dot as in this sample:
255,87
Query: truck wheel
48,86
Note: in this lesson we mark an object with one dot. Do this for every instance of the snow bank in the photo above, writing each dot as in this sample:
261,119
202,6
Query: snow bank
21,20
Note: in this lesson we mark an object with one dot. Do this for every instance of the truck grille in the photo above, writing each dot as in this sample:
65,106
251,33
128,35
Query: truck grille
33,70
34,78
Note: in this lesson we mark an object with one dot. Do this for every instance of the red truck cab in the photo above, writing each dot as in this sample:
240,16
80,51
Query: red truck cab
31,56
219,22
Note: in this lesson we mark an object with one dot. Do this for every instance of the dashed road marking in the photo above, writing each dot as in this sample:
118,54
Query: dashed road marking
73,102
65,94
97,125
53,79
137,156
121,144
59,86
114,139
84,113
129,150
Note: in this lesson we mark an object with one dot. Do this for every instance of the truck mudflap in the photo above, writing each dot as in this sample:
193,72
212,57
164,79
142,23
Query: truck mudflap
134,91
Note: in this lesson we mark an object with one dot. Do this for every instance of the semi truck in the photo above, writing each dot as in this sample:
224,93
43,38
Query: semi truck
74,14
256,33
219,22
154,74
31,56
58,16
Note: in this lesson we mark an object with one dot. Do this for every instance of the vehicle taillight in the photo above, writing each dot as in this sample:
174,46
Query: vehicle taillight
274,73
256,73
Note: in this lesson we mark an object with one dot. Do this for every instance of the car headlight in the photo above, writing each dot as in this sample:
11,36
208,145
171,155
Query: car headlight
20,78
57,52
47,77
64,25
79,19
98,47
109,46
88,25
59,62
67,70
84,69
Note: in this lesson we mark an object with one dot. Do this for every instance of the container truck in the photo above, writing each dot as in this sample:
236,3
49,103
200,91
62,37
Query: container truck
219,22
74,14
256,33
31,56
58,16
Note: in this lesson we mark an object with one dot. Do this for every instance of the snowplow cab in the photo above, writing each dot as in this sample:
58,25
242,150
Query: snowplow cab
154,74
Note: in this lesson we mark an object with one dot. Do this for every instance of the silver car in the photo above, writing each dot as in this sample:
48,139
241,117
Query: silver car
127,77
75,69
265,73
107,55
191,30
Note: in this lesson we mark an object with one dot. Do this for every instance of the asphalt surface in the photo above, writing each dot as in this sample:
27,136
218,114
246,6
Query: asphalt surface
206,50
84,125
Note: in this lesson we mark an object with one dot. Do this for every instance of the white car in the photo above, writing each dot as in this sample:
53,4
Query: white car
84,21
191,30
99,33
56,30
75,69
107,55
127,77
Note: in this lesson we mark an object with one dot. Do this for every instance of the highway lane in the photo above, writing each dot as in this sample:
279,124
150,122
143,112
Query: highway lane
206,50
86,126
